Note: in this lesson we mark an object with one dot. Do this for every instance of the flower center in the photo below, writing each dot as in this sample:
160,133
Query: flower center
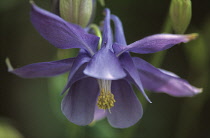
106,98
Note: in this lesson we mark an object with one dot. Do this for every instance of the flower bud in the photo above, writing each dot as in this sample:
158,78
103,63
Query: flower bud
77,11
180,14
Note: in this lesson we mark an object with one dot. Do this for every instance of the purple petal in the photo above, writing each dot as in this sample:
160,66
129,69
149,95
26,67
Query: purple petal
99,114
76,72
60,33
129,66
44,69
78,75
119,33
79,104
127,109
155,43
105,65
163,81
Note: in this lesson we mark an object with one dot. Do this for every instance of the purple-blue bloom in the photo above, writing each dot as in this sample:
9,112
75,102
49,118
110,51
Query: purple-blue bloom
99,82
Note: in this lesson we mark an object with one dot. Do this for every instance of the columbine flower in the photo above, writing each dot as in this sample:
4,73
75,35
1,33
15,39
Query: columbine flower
99,83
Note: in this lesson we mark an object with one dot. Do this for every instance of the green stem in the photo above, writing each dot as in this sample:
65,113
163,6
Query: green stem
102,2
97,31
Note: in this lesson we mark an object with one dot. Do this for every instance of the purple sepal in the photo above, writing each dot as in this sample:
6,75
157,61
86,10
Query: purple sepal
157,80
153,43
44,69
60,33
128,65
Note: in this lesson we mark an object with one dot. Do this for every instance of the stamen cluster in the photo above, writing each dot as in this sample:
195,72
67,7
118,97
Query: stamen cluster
105,100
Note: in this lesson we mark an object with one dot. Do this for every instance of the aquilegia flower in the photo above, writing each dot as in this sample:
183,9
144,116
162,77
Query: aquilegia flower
99,83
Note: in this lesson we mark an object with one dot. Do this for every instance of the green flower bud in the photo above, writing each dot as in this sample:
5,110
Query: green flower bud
180,14
77,11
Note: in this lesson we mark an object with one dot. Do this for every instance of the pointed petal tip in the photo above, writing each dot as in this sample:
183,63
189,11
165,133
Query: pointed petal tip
147,98
195,91
31,2
192,36
63,92
199,90
9,65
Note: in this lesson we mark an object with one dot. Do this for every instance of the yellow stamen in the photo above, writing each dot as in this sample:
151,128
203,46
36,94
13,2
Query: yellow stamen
105,100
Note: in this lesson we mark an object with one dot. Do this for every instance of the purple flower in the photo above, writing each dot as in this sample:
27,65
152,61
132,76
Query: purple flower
99,83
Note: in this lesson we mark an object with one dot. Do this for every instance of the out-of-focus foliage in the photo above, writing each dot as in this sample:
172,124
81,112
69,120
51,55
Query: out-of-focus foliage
8,131
6,5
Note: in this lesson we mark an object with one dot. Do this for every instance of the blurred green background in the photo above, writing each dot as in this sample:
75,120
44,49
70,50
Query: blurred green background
30,108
